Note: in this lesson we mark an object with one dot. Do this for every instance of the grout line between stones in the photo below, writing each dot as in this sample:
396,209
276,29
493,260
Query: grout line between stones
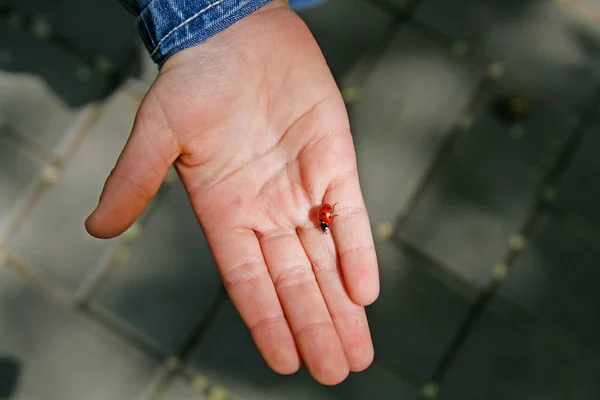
444,152
98,277
567,155
115,76
29,146
43,183
62,298
400,17
91,115
37,280
29,204
439,270
410,379
192,342
481,60
113,324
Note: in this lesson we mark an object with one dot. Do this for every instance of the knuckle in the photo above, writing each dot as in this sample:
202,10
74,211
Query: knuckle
315,328
353,313
356,251
326,264
140,190
294,276
246,271
265,325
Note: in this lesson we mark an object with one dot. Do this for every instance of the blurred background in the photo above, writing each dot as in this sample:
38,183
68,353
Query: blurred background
477,130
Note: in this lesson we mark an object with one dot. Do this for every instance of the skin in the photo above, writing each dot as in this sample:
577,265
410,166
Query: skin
258,132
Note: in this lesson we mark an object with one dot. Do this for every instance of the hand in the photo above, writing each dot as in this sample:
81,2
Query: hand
258,132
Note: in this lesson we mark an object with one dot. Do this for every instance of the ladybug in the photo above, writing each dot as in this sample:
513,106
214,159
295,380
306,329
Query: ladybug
326,216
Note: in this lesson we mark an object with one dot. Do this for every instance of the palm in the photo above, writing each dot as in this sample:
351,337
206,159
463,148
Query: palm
258,133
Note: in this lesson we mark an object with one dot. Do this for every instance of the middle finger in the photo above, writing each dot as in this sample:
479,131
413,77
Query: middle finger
350,319
304,306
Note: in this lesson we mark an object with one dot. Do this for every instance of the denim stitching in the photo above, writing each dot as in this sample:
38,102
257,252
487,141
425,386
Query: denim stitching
193,17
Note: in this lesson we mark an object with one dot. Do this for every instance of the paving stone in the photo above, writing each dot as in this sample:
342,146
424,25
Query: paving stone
399,3
53,238
227,355
89,29
587,381
170,281
10,371
487,187
579,192
416,315
29,107
74,82
408,105
555,278
556,44
506,358
29,7
345,30
61,356
19,172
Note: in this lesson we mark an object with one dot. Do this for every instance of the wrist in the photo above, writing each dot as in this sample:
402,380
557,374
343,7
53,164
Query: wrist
169,26
227,46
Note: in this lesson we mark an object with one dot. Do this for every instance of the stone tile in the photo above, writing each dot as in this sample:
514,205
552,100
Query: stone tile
53,238
29,7
555,279
74,82
19,172
487,188
61,356
227,355
399,3
416,315
345,30
29,107
555,45
408,105
579,192
505,358
587,381
170,280
10,371
89,30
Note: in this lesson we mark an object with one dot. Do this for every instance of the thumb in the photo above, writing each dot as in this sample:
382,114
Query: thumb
137,176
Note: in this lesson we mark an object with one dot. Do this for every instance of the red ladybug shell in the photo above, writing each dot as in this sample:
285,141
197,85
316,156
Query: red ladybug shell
326,214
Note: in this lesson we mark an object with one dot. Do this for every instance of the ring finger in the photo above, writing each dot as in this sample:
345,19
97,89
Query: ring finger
349,318
304,306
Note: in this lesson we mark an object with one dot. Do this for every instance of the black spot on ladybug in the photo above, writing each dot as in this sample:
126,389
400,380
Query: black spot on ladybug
324,226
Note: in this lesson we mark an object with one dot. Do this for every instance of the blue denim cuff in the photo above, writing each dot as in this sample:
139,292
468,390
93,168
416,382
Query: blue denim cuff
168,26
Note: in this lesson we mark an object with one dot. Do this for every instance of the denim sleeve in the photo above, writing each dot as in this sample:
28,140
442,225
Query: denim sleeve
168,26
